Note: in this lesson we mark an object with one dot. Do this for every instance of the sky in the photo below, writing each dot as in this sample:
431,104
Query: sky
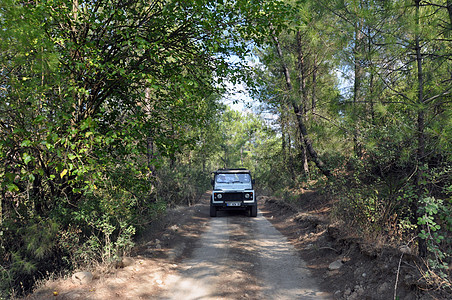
238,97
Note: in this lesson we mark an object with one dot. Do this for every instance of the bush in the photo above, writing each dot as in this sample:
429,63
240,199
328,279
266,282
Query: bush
181,185
377,194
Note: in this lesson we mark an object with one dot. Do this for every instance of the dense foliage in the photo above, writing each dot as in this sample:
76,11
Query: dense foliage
372,95
99,99
111,112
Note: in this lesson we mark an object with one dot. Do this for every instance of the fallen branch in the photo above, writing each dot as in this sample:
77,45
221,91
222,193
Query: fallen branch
397,277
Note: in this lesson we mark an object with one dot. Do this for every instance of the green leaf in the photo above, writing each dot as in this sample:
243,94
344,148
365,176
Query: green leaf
64,172
27,158
12,187
25,143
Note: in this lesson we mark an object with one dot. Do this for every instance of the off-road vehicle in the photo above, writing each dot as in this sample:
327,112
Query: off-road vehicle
233,190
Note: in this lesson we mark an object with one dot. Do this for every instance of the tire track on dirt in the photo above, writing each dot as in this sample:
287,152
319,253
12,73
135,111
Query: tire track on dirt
242,258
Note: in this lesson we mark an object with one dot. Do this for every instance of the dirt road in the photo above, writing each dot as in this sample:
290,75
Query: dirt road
188,255
193,256
239,257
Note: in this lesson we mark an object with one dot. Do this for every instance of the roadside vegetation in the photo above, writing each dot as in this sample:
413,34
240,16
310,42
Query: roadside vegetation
111,112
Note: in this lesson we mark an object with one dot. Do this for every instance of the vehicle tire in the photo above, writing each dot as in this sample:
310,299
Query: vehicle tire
213,211
253,211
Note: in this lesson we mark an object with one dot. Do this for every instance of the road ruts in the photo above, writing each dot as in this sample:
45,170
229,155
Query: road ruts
242,258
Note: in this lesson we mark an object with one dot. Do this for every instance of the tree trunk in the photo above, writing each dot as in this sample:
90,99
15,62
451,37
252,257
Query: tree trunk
1,210
304,157
301,75
150,153
314,86
358,74
449,10
286,142
420,131
283,142
291,164
308,143
302,94
371,80
296,109
150,138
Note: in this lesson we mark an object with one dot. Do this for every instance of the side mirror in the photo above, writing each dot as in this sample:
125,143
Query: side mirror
253,181
212,182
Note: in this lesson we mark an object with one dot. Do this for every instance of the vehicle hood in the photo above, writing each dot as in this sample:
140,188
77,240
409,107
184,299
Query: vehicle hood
230,187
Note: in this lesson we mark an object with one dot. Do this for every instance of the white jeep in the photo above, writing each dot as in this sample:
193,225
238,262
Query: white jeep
233,190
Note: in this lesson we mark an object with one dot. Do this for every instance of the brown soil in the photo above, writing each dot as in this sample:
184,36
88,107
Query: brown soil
368,271
154,260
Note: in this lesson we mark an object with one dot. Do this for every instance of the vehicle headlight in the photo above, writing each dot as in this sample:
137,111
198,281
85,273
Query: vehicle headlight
219,196
247,196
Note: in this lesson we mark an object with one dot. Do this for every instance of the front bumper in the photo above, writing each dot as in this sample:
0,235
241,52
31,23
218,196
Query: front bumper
232,205
233,200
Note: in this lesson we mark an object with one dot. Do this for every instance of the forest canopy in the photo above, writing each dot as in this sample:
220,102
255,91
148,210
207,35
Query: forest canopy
111,111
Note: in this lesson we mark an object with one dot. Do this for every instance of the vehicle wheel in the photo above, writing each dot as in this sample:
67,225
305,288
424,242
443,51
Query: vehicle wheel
213,211
253,211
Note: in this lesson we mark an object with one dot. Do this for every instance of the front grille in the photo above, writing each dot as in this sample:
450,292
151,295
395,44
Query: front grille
232,196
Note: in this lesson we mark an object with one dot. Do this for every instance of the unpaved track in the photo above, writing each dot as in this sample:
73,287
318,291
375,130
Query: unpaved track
239,257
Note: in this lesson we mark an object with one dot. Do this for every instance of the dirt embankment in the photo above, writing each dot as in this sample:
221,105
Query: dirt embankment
345,265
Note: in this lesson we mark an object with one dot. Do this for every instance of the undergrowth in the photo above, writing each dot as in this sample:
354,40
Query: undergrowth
97,229
378,210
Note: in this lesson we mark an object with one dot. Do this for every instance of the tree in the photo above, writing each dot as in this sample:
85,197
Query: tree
406,51
88,88
422,57
301,62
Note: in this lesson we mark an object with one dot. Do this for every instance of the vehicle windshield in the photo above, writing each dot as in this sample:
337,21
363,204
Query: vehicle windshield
233,179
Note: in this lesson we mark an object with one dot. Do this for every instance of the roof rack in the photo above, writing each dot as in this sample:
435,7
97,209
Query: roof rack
236,170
